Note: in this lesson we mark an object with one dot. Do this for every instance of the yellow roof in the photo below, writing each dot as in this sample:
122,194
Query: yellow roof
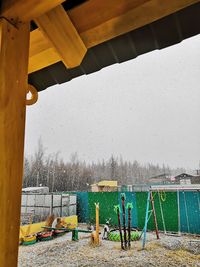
107,183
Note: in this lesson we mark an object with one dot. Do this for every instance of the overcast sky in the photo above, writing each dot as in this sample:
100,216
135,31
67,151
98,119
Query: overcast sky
146,109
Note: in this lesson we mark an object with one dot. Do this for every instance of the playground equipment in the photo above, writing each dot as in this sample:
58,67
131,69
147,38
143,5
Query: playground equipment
117,209
129,207
61,231
154,214
122,235
160,197
45,236
124,219
31,233
28,238
150,198
95,234
115,236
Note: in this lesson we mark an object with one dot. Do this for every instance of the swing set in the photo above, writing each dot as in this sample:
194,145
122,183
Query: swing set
149,213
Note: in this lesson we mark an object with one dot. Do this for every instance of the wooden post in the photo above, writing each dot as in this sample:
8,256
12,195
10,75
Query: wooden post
124,219
14,46
120,229
97,223
95,234
129,227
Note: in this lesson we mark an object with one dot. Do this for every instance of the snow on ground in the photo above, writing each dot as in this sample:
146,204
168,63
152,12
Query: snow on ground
168,251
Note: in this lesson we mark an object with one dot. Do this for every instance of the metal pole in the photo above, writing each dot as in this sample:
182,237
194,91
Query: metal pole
146,221
179,221
154,215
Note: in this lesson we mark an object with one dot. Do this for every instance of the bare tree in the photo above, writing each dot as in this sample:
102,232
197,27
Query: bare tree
77,175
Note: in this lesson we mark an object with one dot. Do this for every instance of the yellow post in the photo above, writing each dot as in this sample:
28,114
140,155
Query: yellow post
97,223
95,234
14,47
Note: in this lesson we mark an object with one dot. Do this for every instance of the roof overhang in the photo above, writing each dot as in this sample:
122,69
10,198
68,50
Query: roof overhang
67,41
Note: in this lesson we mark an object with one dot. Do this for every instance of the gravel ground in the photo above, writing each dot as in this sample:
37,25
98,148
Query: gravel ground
168,251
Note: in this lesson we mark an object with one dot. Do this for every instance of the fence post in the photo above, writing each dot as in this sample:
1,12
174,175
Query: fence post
179,221
51,204
61,205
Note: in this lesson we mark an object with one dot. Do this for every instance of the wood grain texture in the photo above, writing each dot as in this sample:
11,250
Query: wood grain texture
99,11
42,53
14,46
26,10
61,33
132,19
114,18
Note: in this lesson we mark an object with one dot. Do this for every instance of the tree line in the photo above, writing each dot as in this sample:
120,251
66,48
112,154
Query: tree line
51,170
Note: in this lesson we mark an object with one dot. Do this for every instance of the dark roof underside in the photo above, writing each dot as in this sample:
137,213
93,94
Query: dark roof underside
162,33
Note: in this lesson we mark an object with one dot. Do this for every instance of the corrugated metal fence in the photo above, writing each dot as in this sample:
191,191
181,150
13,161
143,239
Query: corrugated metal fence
175,211
39,206
190,212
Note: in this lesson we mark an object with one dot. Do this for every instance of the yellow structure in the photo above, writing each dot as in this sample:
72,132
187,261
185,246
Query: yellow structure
71,221
104,186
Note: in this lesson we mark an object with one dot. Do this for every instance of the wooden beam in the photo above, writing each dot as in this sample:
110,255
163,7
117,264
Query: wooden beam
131,19
14,46
114,18
41,53
107,10
61,33
26,10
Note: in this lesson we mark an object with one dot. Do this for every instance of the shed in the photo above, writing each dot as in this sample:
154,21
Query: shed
105,186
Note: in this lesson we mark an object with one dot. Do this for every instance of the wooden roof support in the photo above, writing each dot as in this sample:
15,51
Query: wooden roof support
61,33
114,17
26,10
14,46
42,53
129,19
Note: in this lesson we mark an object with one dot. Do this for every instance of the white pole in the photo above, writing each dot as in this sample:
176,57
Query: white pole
179,218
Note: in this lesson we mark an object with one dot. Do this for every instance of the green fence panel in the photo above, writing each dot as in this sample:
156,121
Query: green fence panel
82,207
141,202
168,206
130,197
168,203
106,201
190,212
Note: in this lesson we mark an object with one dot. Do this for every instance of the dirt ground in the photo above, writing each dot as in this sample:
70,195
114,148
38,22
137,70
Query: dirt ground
168,251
